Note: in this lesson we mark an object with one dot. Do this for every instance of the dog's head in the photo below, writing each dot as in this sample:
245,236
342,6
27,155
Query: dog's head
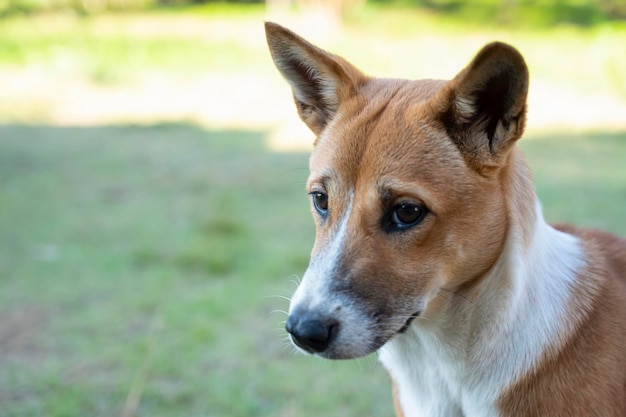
406,189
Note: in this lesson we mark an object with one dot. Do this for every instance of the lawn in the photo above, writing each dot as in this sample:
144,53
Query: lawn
144,267
142,271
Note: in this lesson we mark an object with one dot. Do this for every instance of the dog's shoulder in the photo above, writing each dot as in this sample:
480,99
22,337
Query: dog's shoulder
608,246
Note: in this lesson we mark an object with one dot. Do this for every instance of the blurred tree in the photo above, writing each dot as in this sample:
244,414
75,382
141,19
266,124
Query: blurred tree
335,8
584,12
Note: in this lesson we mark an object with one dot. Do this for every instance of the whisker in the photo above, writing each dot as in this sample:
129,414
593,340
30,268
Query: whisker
277,296
295,279
279,333
281,328
291,347
279,311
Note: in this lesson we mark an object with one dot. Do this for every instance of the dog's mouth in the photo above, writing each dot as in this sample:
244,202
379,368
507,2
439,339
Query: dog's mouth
330,338
408,322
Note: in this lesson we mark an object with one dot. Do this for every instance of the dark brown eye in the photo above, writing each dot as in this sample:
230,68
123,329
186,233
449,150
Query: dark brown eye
320,202
406,215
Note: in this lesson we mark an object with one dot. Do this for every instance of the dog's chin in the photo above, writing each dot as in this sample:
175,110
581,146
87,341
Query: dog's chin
345,353
350,349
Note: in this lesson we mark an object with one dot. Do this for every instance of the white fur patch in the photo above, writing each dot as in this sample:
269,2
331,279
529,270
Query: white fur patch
445,370
313,291
315,294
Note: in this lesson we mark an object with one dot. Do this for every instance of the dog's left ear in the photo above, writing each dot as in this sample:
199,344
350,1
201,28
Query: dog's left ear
483,109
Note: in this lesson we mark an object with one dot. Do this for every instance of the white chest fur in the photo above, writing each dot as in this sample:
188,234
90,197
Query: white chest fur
457,365
433,378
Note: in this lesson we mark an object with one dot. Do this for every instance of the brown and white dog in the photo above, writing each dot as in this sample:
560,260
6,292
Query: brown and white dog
432,249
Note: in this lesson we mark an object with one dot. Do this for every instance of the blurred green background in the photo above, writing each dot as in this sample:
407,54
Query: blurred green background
153,217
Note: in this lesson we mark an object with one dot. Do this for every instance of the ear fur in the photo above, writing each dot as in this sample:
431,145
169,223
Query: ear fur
320,81
483,109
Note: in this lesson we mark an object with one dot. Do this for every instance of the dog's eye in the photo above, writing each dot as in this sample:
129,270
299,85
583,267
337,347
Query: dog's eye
406,215
320,201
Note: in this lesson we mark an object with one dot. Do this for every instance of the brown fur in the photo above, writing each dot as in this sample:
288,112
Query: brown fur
584,375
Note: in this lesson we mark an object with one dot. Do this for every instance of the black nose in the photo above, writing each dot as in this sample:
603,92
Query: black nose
311,332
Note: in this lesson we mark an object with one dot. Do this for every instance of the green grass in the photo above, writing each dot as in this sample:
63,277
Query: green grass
581,178
138,266
144,260
113,49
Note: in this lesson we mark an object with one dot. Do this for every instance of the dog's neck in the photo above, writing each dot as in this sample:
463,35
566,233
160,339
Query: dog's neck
501,326
529,292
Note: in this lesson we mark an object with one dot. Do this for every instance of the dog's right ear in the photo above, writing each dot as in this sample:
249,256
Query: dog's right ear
320,81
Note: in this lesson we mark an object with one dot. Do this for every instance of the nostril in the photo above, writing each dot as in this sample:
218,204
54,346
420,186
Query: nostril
311,334
316,331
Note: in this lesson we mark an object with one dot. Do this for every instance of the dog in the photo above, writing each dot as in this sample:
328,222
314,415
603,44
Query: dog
431,247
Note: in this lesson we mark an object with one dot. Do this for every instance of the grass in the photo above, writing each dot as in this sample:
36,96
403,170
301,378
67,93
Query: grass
141,262
113,49
579,179
138,266
143,267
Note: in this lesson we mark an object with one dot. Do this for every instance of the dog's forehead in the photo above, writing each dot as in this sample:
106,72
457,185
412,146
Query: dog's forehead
386,130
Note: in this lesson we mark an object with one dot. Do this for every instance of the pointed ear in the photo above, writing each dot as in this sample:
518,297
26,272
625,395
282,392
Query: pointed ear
484,106
320,81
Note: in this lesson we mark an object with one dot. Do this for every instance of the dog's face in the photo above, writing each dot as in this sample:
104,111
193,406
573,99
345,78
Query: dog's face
404,188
